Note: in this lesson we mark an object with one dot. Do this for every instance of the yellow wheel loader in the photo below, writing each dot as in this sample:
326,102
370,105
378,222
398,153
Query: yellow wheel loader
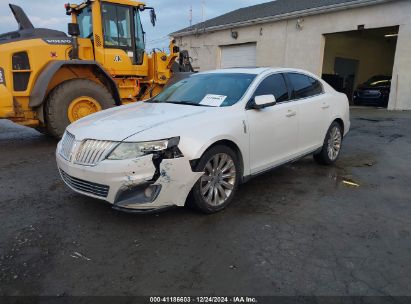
49,80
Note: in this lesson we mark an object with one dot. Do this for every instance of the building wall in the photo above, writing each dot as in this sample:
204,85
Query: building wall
282,44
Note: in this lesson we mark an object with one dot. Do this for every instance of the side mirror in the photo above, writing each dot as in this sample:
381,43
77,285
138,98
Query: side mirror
74,29
153,17
264,101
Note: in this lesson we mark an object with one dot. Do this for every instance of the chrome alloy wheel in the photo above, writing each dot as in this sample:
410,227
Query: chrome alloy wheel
218,180
334,143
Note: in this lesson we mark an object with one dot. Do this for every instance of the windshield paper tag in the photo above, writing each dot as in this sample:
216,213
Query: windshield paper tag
213,100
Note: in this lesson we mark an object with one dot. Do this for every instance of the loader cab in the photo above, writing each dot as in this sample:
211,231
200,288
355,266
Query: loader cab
117,34
122,29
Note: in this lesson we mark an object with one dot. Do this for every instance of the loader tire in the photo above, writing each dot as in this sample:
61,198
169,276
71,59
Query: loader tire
72,100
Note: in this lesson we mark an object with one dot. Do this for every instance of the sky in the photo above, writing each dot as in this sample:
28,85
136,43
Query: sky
171,15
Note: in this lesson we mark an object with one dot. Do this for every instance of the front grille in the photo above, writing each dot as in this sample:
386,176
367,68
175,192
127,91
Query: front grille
85,186
369,93
91,151
67,143
97,39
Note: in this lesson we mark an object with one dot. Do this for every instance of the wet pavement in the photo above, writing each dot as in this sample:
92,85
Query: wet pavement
302,229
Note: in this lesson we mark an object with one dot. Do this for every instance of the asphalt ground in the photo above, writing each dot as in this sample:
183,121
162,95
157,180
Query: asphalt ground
298,230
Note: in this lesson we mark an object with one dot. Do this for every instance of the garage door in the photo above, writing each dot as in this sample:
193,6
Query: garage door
239,55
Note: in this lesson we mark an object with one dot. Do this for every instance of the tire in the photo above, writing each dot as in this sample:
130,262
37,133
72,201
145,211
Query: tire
325,156
61,98
207,181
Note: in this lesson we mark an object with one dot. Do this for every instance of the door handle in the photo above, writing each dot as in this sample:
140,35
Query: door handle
325,106
291,113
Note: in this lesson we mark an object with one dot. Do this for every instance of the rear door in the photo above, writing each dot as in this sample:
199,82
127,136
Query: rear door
273,130
308,95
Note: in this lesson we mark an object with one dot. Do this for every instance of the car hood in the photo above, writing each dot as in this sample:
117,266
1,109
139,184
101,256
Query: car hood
119,123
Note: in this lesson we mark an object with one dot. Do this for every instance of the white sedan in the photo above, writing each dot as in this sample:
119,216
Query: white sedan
202,137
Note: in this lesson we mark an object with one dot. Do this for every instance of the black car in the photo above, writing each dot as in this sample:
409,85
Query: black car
374,92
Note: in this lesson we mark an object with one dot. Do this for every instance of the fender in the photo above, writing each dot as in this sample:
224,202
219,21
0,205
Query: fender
38,93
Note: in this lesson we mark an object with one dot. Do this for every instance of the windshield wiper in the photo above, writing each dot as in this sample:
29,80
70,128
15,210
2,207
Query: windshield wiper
187,103
184,103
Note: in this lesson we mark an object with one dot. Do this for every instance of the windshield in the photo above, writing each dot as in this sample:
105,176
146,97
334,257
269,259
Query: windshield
215,90
379,81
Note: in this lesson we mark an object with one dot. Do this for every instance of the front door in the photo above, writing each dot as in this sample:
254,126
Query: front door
123,38
273,131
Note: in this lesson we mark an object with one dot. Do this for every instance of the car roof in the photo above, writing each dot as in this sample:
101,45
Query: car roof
256,71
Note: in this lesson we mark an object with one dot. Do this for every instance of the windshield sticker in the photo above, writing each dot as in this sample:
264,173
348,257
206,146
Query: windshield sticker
213,100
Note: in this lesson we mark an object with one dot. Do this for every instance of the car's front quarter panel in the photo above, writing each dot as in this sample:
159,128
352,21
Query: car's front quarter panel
198,133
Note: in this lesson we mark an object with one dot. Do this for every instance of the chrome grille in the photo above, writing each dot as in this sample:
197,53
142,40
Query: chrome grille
67,143
85,186
369,93
91,151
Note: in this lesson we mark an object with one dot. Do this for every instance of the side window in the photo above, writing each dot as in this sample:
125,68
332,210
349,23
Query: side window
273,85
316,86
85,23
116,26
304,86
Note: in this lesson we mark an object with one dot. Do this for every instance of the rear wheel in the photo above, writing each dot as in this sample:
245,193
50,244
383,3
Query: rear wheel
217,187
73,100
332,145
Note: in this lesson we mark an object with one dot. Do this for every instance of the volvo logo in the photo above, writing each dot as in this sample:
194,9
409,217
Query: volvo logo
57,41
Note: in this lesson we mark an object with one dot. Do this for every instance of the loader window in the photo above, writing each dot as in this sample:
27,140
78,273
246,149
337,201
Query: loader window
85,23
117,26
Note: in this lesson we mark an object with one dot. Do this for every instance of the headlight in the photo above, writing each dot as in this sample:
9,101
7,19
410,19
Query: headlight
128,150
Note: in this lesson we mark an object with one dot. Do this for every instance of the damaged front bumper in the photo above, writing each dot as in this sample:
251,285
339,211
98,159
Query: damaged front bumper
138,185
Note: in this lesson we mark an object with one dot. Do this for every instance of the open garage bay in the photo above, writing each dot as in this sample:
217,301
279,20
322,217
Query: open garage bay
360,64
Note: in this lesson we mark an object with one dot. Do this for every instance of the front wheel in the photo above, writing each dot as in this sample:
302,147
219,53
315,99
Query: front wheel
332,145
73,100
217,187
